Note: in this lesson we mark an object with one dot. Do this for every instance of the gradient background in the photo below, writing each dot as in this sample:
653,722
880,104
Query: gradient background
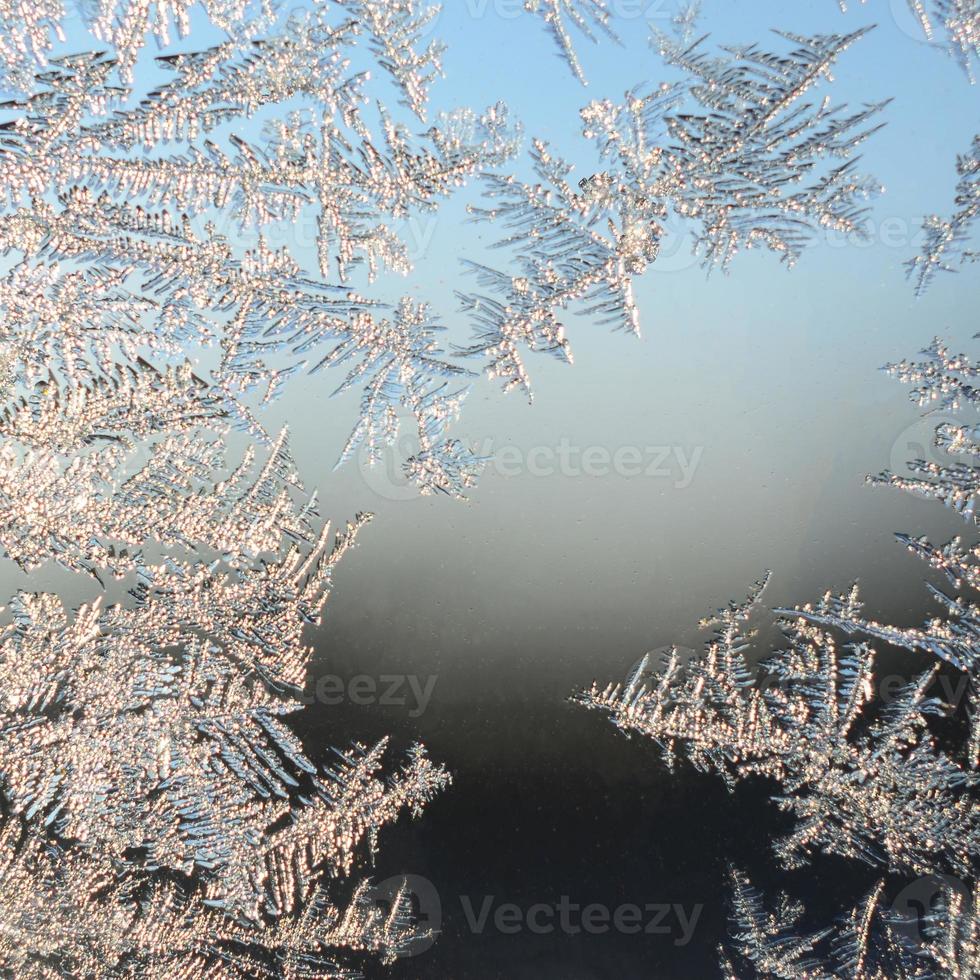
539,584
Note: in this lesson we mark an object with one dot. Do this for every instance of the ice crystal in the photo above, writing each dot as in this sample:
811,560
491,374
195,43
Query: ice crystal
736,150
955,947
946,381
870,943
120,246
958,21
160,815
29,31
397,29
66,914
865,777
855,790
72,511
684,22
589,17
157,725
948,241
323,159
766,940
403,370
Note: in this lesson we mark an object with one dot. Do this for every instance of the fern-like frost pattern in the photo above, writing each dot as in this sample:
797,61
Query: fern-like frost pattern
160,813
865,778
737,152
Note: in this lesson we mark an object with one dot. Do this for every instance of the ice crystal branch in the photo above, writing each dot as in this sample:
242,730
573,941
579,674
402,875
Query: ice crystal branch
403,372
943,380
75,513
64,914
684,23
766,942
866,778
397,29
855,789
737,151
958,21
29,31
160,815
872,942
948,242
589,17
121,246
955,947
157,726
324,158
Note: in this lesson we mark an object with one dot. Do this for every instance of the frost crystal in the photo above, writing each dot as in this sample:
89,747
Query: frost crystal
736,150
854,790
138,233
160,815
66,914
766,942
945,379
866,778
157,726
949,240
401,361
587,16
869,943
27,31
684,23
958,20
151,735
397,29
